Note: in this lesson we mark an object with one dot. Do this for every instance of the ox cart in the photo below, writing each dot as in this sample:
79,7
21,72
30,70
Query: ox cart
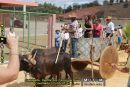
96,51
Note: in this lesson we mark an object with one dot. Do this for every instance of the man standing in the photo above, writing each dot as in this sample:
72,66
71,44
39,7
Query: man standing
73,30
109,29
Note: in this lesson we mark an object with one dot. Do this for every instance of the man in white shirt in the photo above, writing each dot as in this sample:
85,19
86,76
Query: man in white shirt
73,30
109,28
80,31
65,37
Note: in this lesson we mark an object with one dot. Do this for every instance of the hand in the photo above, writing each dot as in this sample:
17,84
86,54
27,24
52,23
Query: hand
12,42
114,66
109,37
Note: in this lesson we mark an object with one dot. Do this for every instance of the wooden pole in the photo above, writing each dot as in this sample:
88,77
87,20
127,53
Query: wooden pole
61,39
91,55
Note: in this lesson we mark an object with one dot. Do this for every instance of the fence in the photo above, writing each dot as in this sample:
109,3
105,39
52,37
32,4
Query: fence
33,29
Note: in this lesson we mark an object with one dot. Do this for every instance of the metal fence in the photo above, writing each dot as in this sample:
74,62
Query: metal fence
33,29
36,25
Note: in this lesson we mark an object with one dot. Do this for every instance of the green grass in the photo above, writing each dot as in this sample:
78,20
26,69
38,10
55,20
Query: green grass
127,31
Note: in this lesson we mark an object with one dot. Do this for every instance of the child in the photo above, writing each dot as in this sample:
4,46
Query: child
57,39
80,31
119,34
65,37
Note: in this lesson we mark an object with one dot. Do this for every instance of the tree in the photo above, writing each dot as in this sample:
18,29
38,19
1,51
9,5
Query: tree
111,2
68,9
117,1
126,1
76,6
94,3
121,1
84,5
126,4
46,8
105,2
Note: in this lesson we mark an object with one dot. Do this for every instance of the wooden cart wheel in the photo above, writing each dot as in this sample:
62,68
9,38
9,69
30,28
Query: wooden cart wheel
79,65
109,56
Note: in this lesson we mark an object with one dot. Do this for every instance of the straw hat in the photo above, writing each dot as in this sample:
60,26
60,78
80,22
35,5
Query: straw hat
108,17
73,15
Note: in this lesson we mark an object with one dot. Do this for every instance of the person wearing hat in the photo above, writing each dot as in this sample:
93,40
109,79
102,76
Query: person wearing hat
109,28
73,30
125,69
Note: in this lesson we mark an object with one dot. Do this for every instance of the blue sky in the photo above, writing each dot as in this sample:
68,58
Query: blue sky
64,2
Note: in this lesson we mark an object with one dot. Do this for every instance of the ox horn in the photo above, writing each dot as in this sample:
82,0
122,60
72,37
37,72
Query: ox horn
32,59
34,55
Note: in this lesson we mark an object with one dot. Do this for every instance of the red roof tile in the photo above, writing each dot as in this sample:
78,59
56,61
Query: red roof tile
16,3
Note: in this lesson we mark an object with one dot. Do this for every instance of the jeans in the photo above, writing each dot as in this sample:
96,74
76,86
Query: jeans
110,40
119,40
57,44
74,42
64,45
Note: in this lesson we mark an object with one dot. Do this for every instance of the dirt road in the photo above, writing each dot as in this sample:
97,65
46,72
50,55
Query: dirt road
118,80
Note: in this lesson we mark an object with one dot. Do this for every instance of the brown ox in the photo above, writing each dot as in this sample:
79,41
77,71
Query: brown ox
45,64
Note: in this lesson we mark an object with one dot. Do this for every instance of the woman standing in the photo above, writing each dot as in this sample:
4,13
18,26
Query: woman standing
97,29
89,26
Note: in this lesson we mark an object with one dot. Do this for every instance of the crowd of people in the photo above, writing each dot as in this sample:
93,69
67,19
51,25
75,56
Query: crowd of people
92,27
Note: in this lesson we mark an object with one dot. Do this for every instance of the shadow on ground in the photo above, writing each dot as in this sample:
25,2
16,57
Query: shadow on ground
78,75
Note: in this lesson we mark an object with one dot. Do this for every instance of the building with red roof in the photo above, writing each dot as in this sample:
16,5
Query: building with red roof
16,3
13,3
